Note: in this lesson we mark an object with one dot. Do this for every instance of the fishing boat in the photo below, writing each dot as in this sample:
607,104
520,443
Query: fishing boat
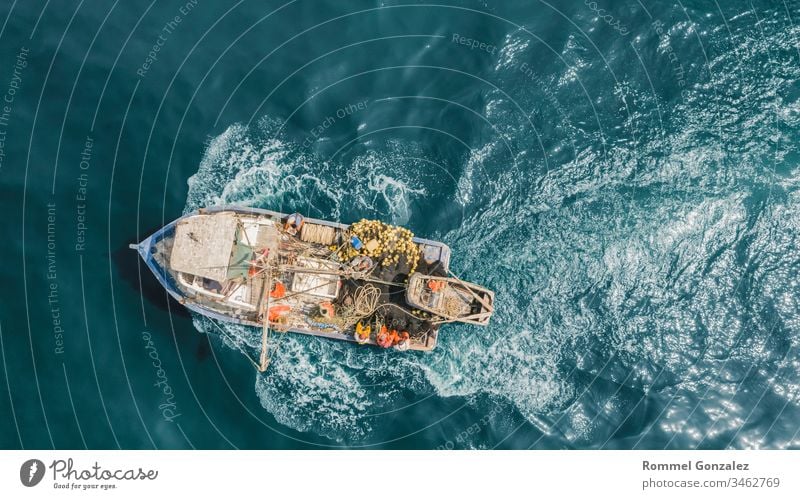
369,282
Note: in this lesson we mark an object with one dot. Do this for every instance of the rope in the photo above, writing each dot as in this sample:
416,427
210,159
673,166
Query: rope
233,340
451,307
365,302
320,234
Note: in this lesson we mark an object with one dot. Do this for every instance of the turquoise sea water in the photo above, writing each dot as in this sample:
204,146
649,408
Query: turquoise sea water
623,174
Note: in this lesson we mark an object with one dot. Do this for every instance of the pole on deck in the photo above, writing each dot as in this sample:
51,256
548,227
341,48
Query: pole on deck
264,361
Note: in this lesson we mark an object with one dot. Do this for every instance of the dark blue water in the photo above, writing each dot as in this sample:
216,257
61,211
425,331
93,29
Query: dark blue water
623,174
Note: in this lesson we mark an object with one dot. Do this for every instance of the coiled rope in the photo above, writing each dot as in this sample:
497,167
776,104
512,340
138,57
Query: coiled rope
365,302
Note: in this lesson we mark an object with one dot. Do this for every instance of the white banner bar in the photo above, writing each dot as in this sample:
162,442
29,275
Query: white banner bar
399,474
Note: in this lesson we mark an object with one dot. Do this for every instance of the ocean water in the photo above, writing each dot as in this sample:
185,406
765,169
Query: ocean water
624,175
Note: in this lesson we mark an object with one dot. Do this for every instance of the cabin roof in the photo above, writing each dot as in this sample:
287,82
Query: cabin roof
203,245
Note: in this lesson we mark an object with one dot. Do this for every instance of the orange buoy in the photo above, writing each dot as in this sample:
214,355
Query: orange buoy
276,312
278,291
384,339
436,286
326,310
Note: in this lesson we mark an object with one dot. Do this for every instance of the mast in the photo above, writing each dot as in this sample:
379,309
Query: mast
264,361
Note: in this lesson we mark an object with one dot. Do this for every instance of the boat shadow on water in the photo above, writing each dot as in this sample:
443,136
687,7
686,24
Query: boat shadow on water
135,274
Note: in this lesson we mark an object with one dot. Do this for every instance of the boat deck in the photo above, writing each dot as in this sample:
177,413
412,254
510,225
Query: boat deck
304,267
